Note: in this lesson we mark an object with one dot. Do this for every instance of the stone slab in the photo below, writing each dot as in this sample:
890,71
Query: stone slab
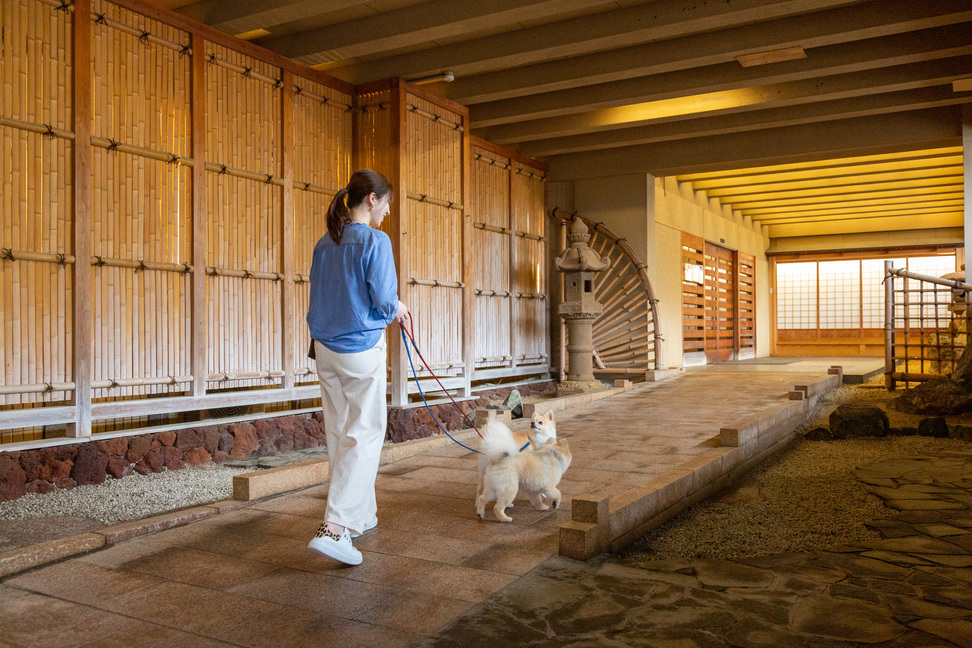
272,481
116,533
21,559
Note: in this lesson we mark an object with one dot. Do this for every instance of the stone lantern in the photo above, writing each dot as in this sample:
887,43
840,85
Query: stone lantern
580,264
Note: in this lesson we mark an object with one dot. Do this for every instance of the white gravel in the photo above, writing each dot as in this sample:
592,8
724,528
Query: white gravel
130,498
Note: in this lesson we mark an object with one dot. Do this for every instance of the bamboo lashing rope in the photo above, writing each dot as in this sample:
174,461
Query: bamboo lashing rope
62,5
326,101
22,255
502,358
243,375
531,174
523,295
490,161
140,382
436,283
138,264
143,35
439,119
528,235
313,188
240,173
162,156
492,228
493,293
243,274
435,201
44,129
531,356
242,69
301,278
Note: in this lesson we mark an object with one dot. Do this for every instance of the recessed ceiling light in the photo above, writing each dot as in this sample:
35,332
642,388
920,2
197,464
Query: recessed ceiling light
771,56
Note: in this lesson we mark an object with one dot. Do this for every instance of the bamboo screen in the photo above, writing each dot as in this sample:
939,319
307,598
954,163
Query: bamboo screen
36,165
322,166
530,303
141,212
432,232
143,253
490,213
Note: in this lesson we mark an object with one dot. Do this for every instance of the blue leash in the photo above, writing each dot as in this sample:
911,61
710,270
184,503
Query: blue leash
422,394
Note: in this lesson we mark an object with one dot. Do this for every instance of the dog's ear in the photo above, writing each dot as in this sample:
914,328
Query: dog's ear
550,414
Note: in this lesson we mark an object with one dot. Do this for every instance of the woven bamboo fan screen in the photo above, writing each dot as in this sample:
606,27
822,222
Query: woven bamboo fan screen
625,332
432,232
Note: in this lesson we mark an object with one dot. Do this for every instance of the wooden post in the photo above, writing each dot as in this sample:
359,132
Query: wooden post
200,303
396,352
287,293
511,224
83,341
468,277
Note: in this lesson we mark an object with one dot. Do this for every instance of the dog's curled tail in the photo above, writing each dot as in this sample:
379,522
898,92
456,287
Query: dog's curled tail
498,442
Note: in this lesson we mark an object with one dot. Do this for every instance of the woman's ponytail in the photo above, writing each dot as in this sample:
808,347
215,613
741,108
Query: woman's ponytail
338,215
363,183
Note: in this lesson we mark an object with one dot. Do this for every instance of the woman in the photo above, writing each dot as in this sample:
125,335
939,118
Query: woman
353,297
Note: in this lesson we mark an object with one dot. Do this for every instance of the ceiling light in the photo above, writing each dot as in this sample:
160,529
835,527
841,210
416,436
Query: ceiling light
771,56
444,77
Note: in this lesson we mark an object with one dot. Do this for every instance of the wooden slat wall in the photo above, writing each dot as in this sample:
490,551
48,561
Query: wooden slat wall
530,302
490,213
693,294
720,281
746,304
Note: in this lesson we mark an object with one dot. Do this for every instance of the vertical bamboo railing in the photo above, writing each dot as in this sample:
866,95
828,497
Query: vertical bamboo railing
200,251
288,315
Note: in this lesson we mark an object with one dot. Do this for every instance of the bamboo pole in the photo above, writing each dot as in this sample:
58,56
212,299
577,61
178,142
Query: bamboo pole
199,329
288,313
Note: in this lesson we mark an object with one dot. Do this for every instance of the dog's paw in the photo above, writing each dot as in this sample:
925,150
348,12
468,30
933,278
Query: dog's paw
480,516
555,503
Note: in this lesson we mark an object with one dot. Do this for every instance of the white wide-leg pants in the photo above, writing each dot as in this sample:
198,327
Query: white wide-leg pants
355,417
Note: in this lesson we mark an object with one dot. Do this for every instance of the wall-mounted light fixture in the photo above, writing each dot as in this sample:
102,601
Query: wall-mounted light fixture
442,77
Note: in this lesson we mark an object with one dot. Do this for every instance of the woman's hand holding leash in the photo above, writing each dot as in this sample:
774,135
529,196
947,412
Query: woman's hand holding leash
402,313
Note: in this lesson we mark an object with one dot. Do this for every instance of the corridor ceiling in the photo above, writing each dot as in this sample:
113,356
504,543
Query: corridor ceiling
857,102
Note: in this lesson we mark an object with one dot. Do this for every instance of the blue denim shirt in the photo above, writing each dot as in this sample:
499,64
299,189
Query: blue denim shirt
354,289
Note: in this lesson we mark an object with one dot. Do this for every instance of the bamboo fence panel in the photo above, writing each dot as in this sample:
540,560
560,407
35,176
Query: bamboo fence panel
490,212
530,306
243,127
36,155
432,232
746,303
322,165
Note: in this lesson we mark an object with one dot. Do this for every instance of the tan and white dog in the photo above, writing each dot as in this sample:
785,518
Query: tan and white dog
543,428
504,470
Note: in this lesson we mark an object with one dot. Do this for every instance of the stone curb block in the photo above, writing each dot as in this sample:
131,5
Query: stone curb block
270,481
127,530
14,561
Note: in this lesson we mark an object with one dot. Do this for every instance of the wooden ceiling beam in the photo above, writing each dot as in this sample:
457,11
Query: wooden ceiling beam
936,184
843,59
242,16
419,24
894,132
947,192
889,224
667,131
607,30
913,213
830,210
778,95
843,183
824,28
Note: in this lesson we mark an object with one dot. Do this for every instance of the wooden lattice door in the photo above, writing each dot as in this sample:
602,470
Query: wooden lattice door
720,274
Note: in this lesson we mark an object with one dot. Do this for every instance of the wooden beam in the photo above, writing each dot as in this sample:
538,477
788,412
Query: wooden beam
247,15
814,181
200,218
853,226
83,342
863,56
758,215
689,105
396,350
741,122
967,184
408,26
469,332
579,35
923,187
896,132
814,30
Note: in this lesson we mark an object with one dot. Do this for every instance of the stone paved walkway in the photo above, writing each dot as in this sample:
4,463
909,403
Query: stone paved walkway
435,575
911,589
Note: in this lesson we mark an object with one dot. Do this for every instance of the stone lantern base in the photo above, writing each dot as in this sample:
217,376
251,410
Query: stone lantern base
571,387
